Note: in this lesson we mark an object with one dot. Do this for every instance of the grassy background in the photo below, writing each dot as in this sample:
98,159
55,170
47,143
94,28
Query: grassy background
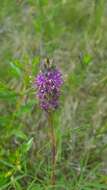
73,32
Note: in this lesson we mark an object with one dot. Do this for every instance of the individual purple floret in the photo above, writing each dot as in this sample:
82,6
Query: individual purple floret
48,83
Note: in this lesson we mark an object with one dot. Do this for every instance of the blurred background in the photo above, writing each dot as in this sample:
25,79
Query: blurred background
74,34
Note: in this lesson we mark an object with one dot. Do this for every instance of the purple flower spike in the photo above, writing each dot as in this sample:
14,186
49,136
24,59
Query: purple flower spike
48,83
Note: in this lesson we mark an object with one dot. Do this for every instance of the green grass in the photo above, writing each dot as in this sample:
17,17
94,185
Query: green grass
73,33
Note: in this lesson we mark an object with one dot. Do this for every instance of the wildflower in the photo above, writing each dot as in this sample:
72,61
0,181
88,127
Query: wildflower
48,83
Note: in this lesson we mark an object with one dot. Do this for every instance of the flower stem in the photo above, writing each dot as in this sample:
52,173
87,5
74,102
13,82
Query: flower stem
53,147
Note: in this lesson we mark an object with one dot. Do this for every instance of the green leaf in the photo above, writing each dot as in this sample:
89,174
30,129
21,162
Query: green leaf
3,180
33,186
6,163
18,186
15,70
20,134
87,59
26,146
97,185
27,108
7,93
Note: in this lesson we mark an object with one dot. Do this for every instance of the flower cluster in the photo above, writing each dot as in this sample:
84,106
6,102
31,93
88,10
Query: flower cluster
48,85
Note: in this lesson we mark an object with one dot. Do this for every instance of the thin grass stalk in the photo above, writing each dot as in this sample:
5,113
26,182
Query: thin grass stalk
53,147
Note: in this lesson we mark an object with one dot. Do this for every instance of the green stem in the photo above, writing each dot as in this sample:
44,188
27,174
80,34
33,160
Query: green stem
53,147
